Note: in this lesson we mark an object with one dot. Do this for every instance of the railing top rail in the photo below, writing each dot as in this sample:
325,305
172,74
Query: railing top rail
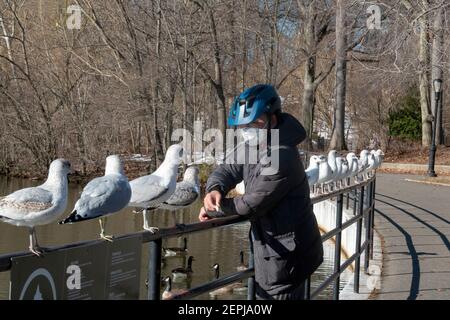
321,197
5,260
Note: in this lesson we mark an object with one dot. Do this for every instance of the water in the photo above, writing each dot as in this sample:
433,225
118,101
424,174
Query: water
220,245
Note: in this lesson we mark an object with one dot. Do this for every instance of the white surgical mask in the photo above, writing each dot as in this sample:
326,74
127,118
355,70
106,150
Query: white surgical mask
251,134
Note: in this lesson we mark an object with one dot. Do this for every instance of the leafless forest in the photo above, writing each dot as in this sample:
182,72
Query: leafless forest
137,69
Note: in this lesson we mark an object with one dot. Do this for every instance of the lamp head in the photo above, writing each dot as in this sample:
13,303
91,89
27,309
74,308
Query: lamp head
437,85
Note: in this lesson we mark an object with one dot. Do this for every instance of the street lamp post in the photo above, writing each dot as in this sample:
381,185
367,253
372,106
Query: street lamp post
437,86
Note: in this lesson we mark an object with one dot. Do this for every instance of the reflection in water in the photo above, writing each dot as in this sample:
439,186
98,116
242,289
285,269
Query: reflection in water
220,245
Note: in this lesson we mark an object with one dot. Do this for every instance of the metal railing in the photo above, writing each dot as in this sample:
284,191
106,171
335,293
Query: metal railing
360,193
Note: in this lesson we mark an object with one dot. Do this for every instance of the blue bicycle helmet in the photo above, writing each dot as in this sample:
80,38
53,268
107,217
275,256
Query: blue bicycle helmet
252,103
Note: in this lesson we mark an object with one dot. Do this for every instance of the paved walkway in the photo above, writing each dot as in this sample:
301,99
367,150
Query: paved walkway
413,220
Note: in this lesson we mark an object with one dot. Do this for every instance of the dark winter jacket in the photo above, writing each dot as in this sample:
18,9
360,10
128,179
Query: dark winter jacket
286,239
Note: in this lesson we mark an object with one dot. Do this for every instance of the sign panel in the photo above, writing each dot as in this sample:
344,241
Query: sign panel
102,270
91,261
124,269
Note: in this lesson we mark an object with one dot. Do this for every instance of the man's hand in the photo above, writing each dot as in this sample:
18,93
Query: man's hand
203,216
212,201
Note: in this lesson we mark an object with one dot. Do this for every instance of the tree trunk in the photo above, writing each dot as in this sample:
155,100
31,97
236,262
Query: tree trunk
424,60
308,100
337,139
218,81
243,45
437,72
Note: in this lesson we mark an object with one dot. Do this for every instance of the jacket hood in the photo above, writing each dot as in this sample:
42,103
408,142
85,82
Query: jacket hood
291,131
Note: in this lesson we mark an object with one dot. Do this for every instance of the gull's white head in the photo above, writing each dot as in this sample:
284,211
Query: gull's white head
322,159
58,171
314,161
113,165
363,157
59,167
174,154
350,156
332,161
191,174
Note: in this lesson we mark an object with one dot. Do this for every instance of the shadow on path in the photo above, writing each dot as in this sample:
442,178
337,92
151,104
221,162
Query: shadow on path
414,288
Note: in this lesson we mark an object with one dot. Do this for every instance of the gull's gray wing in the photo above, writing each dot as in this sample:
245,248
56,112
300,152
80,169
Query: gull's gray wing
22,202
185,194
146,189
104,195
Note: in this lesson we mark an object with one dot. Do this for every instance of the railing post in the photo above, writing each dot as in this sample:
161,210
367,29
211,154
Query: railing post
372,220
251,280
358,241
154,270
348,200
368,227
308,288
337,248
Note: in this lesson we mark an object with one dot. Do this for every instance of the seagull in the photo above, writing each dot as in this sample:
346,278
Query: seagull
324,171
372,163
333,165
40,205
363,162
240,188
103,196
312,172
352,165
149,192
342,165
338,172
186,192
379,155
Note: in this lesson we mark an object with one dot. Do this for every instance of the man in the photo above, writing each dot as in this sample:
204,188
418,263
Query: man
286,240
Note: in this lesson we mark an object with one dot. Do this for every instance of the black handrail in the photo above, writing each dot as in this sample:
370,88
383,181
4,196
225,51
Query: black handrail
361,213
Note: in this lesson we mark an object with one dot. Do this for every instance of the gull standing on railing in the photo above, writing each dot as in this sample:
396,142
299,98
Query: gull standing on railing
103,196
324,171
40,205
363,162
312,172
333,166
353,167
150,191
342,166
379,155
372,163
186,193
